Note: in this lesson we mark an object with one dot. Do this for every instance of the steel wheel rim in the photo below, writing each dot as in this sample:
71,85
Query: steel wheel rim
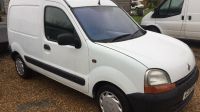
20,67
109,102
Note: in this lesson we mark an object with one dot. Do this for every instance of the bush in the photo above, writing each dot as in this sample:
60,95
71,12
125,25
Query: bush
153,3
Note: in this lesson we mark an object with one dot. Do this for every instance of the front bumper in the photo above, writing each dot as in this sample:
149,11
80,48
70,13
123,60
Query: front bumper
166,102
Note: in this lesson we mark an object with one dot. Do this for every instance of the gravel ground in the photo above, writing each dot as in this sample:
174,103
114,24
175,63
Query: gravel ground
41,94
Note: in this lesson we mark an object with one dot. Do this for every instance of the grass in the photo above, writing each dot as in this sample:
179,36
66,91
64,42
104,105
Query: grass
139,18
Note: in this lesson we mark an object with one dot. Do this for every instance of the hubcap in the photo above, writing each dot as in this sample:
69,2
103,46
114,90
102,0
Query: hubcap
109,102
20,66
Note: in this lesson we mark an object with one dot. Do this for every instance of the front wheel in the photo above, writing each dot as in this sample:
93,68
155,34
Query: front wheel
112,99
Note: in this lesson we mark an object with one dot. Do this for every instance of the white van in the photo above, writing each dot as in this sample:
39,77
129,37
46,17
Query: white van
177,18
96,48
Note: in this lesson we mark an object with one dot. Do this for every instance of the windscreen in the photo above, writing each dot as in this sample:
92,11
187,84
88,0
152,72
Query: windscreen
103,23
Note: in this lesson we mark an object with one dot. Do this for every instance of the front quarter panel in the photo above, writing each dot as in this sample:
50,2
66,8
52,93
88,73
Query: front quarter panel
116,68
148,20
15,47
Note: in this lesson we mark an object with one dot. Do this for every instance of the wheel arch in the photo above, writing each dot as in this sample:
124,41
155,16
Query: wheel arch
14,54
98,85
16,49
99,77
154,26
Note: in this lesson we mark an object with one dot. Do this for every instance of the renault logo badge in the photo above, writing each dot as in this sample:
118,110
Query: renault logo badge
189,67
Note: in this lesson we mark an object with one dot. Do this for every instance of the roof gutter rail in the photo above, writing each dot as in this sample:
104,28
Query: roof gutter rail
67,4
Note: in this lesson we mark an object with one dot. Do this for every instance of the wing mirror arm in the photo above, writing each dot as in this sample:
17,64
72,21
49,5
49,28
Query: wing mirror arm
69,39
156,13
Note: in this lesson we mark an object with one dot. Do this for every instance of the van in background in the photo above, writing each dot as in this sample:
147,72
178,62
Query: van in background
176,18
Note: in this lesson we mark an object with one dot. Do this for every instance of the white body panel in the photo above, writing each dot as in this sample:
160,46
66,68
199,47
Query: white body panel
172,26
159,51
122,63
176,27
23,32
192,27
81,3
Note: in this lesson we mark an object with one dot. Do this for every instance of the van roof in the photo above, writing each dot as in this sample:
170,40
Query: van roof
72,3
84,3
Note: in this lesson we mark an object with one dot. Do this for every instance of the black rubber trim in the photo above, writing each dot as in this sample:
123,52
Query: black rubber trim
183,80
56,71
171,101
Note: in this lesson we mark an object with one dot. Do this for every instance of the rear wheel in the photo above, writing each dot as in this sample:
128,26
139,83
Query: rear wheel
112,99
22,70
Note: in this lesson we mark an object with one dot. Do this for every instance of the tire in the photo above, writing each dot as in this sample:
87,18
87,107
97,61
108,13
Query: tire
107,98
153,29
22,70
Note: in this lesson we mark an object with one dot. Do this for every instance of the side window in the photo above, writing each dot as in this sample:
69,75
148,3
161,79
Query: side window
56,23
175,7
171,8
164,8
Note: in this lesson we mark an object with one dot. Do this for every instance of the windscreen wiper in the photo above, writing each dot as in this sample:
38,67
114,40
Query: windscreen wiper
120,37
99,2
134,35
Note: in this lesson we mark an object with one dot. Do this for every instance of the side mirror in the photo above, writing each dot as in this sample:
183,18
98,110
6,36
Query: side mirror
156,13
69,39
156,9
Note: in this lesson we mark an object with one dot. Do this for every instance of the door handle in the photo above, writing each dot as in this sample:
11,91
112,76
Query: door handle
47,47
189,17
182,17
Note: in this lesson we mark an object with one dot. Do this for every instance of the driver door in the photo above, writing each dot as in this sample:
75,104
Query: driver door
66,64
170,17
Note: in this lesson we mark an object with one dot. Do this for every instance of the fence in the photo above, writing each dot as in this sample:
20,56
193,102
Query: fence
4,5
3,33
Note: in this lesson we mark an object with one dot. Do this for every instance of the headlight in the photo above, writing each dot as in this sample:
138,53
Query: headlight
155,77
157,81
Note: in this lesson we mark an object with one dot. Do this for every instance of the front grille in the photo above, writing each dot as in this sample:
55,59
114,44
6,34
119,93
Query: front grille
187,77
